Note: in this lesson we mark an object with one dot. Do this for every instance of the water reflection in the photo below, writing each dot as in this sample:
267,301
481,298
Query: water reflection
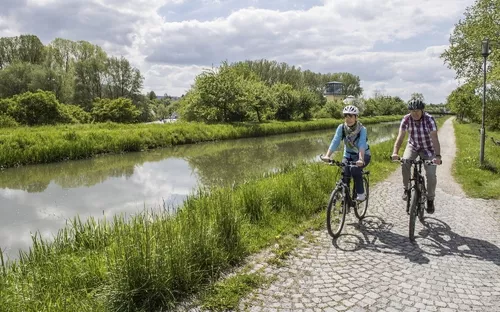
42,197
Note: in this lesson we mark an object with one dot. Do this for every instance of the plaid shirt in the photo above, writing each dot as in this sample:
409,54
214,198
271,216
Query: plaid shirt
419,133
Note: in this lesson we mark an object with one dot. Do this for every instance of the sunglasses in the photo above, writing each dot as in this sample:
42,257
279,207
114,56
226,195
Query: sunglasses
349,115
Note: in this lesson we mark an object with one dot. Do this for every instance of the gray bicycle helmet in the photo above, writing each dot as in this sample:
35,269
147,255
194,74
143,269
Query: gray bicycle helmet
415,104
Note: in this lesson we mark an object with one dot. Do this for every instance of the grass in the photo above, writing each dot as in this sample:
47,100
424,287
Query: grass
46,144
154,260
226,295
476,180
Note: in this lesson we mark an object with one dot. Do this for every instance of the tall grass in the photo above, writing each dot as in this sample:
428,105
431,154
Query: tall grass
32,145
476,180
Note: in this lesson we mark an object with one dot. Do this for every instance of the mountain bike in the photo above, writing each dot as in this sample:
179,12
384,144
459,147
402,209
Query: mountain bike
341,200
416,201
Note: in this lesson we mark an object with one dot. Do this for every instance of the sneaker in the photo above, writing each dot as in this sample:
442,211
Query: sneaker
405,195
430,206
361,197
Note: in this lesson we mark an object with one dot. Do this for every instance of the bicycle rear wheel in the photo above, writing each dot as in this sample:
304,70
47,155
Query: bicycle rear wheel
415,198
361,207
336,210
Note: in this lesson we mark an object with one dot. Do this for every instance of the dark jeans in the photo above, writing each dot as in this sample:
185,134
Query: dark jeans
355,172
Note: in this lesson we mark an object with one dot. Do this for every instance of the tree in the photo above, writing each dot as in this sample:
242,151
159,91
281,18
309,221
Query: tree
334,109
121,79
259,100
65,53
29,49
162,111
90,68
417,96
287,100
306,101
464,54
465,102
493,107
152,95
61,57
222,93
23,48
16,79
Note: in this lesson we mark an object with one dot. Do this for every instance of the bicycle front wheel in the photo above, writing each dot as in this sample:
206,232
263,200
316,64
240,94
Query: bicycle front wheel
336,212
415,198
361,207
422,202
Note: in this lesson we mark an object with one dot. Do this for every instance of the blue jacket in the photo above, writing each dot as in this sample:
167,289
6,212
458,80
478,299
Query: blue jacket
360,142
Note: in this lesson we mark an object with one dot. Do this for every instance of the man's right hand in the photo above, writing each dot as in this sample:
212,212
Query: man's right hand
395,157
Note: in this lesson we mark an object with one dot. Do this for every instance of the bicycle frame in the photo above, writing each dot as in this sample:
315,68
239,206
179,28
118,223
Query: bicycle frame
417,193
346,188
418,181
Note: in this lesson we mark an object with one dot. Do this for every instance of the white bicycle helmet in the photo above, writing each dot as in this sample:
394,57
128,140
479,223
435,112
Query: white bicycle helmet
350,109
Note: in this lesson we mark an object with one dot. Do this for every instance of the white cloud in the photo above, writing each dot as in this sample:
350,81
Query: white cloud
173,79
396,43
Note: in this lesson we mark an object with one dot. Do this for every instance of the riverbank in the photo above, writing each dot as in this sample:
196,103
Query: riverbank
35,145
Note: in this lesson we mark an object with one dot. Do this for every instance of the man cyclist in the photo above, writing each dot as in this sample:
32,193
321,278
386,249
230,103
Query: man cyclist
422,140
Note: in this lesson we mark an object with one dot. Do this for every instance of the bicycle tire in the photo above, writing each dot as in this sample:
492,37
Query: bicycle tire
421,209
413,213
361,207
408,200
336,196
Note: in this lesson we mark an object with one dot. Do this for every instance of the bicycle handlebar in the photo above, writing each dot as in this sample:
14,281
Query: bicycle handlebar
334,162
416,162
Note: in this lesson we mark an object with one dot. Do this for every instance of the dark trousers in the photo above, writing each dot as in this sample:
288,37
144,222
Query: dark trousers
355,172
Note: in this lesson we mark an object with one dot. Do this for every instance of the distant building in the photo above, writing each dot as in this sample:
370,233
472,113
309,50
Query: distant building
349,100
334,90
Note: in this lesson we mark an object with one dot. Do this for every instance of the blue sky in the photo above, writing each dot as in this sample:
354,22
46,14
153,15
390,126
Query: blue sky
392,45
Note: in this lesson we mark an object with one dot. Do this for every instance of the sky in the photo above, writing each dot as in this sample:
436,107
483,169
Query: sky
394,46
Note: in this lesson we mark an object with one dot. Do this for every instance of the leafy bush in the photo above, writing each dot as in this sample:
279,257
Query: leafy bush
36,108
7,121
119,110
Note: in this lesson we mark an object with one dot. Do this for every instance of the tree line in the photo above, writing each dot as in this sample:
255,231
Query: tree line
79,83
85,82
464,55
97,86
267,90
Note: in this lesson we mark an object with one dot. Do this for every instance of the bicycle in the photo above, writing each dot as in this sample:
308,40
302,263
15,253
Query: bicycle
341,195
416,201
